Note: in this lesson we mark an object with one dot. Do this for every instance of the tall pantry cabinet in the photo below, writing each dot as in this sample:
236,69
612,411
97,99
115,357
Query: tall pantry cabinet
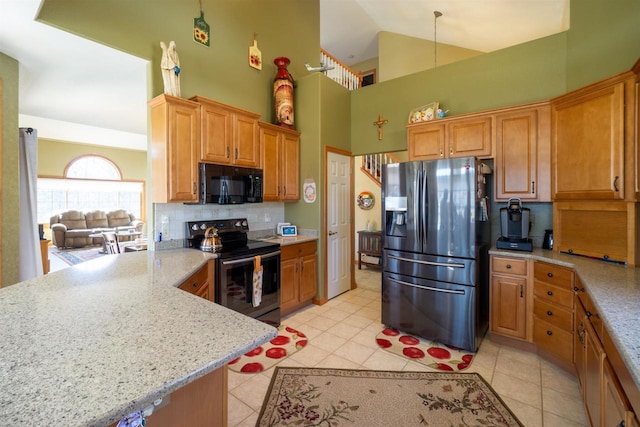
594,162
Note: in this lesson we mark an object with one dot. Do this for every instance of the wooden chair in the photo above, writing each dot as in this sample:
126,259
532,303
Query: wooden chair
111,242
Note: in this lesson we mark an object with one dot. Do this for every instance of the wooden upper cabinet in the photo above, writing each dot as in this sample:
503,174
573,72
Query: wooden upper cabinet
426,141
280,148
451,137
469,137
175,141
588,143
522,154
229,134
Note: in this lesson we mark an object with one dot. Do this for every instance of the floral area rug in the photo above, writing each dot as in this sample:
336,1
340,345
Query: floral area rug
77,256
332,397
432,354
264,357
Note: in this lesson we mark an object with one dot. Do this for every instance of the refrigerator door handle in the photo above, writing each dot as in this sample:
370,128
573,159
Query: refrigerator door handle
424,206
437,264
429,288
417,190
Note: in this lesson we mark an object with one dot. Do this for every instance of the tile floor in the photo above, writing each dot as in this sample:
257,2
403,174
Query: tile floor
342,335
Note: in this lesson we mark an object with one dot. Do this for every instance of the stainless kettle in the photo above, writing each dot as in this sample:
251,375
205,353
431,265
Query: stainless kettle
211,241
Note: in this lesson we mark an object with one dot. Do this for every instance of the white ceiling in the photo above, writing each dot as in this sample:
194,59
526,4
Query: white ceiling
73,89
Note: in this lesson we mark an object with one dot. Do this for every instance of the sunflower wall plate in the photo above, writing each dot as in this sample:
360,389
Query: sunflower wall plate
365,200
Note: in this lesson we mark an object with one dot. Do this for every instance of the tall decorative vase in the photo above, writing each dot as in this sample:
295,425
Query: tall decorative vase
283,93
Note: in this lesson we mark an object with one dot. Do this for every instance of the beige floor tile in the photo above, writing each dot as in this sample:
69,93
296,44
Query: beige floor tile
369,313
337,362
366,338
336,314
237,411
514,369
344,330
523,358
321,322
564,406
310,356
517,389
328,342
250,421
553,420
528,415
357,321
354,352
309,331
382,360
560,380
416,367
252,391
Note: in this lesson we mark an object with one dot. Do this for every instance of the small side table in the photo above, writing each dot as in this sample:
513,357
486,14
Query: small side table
370,244
44,250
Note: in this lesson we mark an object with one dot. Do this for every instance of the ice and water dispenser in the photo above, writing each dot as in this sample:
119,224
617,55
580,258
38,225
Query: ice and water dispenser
395,216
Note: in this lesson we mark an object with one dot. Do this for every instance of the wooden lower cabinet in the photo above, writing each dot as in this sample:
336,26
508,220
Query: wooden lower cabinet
509,296
202,402
616,409
200,282
553,310
297,276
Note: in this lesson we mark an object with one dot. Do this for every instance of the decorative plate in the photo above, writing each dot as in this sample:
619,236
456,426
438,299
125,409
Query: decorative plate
365,200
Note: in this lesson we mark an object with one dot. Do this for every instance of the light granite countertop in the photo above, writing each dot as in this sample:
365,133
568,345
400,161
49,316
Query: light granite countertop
89,344
290,240
615,291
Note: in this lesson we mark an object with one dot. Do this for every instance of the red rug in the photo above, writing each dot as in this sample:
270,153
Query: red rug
264,357
432,354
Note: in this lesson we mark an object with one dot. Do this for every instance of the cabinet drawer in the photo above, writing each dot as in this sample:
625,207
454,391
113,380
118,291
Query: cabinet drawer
553,314
509,266
553,274
553,339
553,294
297,250
196,281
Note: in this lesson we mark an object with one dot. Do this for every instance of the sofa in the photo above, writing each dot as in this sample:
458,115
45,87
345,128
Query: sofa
72,229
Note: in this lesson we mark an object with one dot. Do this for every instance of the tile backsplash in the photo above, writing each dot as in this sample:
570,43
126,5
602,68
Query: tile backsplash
170,218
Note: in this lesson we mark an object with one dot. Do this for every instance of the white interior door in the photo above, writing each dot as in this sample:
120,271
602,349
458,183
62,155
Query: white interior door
338,224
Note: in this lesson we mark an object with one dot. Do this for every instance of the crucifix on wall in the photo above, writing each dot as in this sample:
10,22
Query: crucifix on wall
380,122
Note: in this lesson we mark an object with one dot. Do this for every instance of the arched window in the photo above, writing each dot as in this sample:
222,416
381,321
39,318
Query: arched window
92,167
90,183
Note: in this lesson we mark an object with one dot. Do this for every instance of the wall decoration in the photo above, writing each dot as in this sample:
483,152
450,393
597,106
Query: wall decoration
424,113
283,93
170,65
255,56
365,200
309,190
201,29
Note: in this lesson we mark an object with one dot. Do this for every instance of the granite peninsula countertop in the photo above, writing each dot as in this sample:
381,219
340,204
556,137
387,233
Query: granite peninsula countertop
89,344
615,291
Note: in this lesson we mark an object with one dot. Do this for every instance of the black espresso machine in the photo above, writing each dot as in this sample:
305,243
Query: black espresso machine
514,227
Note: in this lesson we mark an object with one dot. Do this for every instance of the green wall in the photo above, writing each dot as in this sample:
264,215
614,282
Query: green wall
10,182
400,55
288,28
524,73
604,40
323,110
54,156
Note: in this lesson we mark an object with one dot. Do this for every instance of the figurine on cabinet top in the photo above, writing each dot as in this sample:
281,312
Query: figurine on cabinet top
170,66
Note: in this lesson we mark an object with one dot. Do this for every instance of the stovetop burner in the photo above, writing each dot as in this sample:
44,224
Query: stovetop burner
233,236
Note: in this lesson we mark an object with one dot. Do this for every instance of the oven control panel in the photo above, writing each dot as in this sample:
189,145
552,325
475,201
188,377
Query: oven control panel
198,228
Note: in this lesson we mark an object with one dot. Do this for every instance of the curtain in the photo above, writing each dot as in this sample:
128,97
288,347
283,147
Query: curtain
30,255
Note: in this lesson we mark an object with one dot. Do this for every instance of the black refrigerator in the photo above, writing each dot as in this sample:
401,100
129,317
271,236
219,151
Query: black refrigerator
435,240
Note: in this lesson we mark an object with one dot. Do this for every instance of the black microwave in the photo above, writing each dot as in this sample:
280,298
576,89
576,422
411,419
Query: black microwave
229,185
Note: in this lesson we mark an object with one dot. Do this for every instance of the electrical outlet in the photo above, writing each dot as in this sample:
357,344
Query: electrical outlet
267,218
532,219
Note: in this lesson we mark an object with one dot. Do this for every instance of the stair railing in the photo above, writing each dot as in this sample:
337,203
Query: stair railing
340,73
372,165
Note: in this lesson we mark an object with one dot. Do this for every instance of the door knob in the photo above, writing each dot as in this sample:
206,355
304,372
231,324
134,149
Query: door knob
331,233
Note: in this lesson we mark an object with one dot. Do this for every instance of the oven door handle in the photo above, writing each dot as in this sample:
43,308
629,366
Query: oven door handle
250,259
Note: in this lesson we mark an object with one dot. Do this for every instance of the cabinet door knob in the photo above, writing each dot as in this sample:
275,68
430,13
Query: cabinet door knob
194,284
549,274
549,333
508,266
549,313
550,293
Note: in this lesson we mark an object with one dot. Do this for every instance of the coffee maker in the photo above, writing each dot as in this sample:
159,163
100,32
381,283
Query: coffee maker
514,227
